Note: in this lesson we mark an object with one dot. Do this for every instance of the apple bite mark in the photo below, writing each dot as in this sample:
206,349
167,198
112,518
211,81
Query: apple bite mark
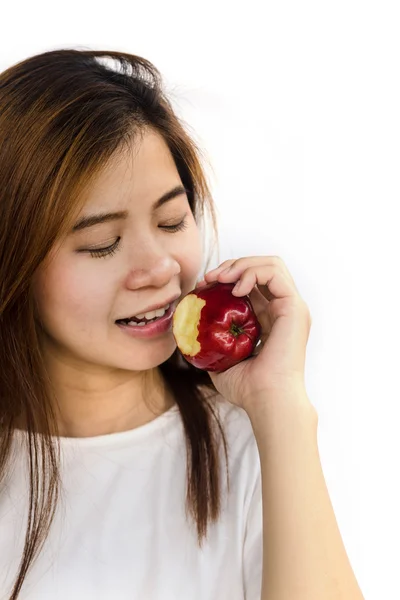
186,324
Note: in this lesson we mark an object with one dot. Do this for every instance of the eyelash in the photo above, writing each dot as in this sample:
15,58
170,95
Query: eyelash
110,250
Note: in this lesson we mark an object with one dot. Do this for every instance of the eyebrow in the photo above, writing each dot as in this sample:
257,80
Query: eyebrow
91,220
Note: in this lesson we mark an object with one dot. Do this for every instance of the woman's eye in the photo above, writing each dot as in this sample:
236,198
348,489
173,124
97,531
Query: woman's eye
99,252
178,227
110,250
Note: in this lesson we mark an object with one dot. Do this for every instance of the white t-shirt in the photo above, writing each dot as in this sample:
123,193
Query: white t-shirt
120,530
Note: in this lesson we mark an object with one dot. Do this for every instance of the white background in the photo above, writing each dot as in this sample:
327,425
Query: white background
296,105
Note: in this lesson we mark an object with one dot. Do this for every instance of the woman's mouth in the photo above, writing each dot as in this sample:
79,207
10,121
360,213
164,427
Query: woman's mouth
144,319
148,328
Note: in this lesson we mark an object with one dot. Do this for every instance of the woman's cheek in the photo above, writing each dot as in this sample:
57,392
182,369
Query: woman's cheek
64,295
191,254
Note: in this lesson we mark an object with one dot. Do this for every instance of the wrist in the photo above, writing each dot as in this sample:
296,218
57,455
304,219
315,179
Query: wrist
280,411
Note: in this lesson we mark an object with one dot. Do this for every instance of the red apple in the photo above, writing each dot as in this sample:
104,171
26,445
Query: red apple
213,329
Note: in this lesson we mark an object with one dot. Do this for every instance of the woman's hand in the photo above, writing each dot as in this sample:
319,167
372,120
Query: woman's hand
276,369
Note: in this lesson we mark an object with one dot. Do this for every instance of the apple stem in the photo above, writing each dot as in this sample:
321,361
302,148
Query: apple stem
236,330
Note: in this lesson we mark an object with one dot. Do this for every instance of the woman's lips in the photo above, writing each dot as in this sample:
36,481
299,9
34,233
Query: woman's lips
157,327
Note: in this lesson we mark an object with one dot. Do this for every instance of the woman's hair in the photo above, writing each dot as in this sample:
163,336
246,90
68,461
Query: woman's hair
63,114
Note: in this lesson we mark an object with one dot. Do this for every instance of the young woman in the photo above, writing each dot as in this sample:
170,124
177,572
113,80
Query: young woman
125,472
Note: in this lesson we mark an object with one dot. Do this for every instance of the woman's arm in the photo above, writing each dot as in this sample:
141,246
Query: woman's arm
304,555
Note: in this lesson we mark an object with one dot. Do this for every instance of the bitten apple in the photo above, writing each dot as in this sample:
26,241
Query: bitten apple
213,329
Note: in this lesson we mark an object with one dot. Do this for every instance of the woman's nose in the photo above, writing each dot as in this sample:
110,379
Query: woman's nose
157,273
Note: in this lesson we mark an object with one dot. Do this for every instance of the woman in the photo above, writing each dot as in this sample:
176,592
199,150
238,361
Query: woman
126,472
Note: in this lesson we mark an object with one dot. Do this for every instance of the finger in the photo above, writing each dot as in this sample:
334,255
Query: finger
271,281
201,283
213,274
232,271
261,307
238,265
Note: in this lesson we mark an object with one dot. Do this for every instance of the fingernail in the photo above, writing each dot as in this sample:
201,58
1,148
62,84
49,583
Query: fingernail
237,286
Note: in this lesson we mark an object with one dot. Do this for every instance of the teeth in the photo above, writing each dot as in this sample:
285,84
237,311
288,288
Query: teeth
149,316
153,313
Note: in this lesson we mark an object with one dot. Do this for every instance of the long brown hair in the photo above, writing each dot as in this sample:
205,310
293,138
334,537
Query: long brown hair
62,116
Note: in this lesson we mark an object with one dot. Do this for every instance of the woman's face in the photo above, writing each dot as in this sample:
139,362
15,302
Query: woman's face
79,296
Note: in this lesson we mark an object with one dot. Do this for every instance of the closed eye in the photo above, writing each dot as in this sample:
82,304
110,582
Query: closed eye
110,250
178,227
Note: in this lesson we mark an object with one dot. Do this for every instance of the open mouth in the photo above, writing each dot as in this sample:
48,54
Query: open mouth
142,321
